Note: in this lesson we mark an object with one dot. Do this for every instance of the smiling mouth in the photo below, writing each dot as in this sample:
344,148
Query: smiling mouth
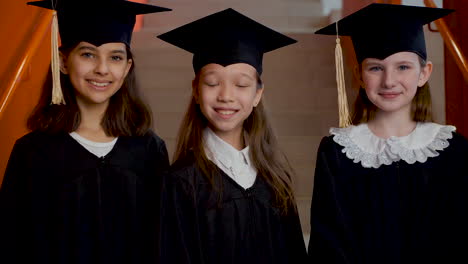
389,95
99,84
225,112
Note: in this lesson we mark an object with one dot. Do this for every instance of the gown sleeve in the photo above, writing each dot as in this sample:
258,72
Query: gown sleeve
295,238
157,158
159,155
329,237
14,207
180,234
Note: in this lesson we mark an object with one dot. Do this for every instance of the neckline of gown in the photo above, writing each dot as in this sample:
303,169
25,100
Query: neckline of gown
91,155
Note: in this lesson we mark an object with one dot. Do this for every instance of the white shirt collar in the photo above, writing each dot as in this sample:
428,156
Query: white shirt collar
227,154
235,163
361,145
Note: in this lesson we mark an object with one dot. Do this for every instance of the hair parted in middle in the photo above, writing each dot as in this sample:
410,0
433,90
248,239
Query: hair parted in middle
421,105
271,164
126,115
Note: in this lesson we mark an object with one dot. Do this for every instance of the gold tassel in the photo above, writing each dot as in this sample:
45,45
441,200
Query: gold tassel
345,120
57,95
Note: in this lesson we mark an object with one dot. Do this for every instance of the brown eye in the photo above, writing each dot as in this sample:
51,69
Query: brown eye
87,55
375,68
117,58
403,67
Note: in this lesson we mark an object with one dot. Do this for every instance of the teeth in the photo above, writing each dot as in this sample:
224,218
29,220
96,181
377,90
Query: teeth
226,112
99,84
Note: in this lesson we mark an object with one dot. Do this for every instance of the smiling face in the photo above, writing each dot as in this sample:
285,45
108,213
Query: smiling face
96,73
391,84
226,96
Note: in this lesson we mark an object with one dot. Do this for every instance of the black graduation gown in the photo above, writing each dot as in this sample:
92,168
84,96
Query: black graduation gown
243,228
60,203
398,213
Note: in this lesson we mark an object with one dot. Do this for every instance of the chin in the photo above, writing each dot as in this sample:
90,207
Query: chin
224,128
97,101
391,108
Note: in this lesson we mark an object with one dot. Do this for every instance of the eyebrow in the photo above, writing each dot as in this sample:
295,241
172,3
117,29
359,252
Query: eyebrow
406,62
87,48
247,75
379,62
208,73
119,51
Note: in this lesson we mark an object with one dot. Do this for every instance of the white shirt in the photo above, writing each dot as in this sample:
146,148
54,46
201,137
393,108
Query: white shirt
99,149
236,164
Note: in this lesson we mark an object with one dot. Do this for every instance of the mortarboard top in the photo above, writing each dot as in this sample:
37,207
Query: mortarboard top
380,30
96,21
225,38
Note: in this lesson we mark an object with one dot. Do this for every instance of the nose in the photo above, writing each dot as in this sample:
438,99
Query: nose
226,93
101,67
389,79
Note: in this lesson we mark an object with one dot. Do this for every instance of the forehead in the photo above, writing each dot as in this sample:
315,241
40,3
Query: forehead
403,56
106,47
237,68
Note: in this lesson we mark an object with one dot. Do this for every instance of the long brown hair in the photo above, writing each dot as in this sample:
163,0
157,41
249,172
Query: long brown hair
271,164
126,115
421,105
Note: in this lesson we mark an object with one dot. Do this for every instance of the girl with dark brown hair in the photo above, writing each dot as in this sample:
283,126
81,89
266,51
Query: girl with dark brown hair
392,187
228,196
83,186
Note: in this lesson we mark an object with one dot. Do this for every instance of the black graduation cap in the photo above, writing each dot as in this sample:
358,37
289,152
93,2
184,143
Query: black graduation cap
380,30
96,21
225,38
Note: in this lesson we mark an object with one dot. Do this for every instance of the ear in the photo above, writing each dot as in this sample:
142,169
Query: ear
63,63
425,74
258,96
128,67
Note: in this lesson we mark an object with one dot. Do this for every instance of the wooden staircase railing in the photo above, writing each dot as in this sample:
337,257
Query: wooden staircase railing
451,44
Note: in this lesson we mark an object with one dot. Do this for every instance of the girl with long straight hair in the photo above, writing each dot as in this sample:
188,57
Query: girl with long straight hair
228,196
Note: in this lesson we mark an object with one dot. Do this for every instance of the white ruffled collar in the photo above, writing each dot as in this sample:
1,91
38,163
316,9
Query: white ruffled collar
361,145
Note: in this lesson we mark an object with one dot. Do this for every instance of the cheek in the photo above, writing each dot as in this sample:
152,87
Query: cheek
78,69
206,96
414,89
119,71
248,99
75,76
418,81
369,81
208,93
